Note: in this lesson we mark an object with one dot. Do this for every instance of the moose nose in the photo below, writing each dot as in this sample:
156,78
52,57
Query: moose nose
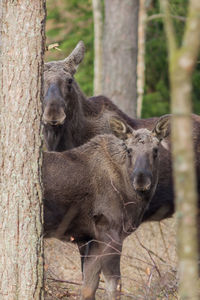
141,181
54,122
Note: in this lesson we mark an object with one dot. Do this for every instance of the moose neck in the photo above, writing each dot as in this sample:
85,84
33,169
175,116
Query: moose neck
76,122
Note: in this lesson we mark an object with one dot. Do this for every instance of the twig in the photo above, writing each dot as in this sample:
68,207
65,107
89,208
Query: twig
159,16
53,46
164,242
150,255
79,284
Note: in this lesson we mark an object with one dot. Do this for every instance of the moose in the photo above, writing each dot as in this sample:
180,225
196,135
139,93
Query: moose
70,120
97,193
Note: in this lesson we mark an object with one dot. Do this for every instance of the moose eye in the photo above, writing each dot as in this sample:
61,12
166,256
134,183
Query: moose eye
155,152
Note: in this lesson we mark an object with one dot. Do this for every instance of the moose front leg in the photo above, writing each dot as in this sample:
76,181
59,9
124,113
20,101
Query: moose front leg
91,271
110,264
111,272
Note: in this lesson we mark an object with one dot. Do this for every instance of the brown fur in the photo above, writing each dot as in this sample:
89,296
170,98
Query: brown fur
86,118
98,193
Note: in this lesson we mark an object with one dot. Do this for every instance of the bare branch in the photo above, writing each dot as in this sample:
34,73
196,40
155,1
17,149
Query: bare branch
160,16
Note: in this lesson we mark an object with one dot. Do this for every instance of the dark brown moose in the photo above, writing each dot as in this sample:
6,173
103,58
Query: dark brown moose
97,194
70,120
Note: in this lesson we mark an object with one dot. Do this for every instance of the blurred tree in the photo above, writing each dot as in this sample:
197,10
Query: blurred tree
141,54
98,47
182,59
21,246
156,99
120,53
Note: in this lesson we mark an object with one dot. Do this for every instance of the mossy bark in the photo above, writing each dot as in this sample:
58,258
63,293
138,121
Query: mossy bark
21,216
181,64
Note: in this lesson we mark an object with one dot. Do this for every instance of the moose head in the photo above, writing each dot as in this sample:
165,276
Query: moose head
60,88
145,145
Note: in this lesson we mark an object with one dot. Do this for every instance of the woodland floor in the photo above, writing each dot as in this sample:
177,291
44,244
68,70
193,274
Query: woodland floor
148,266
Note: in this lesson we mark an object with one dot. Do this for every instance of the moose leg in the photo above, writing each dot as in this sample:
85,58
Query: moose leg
91,271
83,248
110,264
111,272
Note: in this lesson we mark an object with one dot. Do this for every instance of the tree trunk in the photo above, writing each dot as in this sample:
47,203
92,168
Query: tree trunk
98,47
181,64
141,55
120,53
21,216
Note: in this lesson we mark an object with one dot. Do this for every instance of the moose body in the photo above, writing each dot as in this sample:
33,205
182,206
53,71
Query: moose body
70,120
97,194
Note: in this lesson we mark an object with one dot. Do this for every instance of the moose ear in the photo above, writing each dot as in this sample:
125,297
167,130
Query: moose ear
76,56
162,127
120,128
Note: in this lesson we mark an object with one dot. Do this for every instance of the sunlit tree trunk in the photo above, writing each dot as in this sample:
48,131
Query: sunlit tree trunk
98,45
21,217
181,65
141,55
120,53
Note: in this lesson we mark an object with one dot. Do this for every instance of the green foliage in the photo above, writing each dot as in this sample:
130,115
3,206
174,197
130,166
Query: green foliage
68,22
71,21
157,96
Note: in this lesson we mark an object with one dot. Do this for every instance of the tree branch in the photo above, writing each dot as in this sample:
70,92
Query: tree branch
160,16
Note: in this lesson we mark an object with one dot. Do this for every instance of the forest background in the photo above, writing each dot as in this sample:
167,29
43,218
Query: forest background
71,21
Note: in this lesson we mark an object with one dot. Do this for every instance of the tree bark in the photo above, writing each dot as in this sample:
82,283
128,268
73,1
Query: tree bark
21,216
141,56
98,45
181,65
120,53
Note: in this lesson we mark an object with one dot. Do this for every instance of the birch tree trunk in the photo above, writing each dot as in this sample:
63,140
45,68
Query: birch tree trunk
181,65
141,56
120,53
98,47
21,217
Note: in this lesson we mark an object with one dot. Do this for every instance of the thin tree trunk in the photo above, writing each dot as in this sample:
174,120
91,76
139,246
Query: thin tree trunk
182,61
21,217
98,47
141,56
120,53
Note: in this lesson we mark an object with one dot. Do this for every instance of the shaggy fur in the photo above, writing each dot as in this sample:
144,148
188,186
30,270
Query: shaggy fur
86,118
97,194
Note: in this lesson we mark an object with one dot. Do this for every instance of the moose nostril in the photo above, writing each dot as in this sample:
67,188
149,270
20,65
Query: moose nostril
141,182
53,122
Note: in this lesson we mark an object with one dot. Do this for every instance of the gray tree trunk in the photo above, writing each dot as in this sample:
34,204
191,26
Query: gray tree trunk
182,61
98,47
21,217
120,53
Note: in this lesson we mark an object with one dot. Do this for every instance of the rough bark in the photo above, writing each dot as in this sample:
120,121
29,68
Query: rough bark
98,47
120,53
181,64
141,55
21,217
